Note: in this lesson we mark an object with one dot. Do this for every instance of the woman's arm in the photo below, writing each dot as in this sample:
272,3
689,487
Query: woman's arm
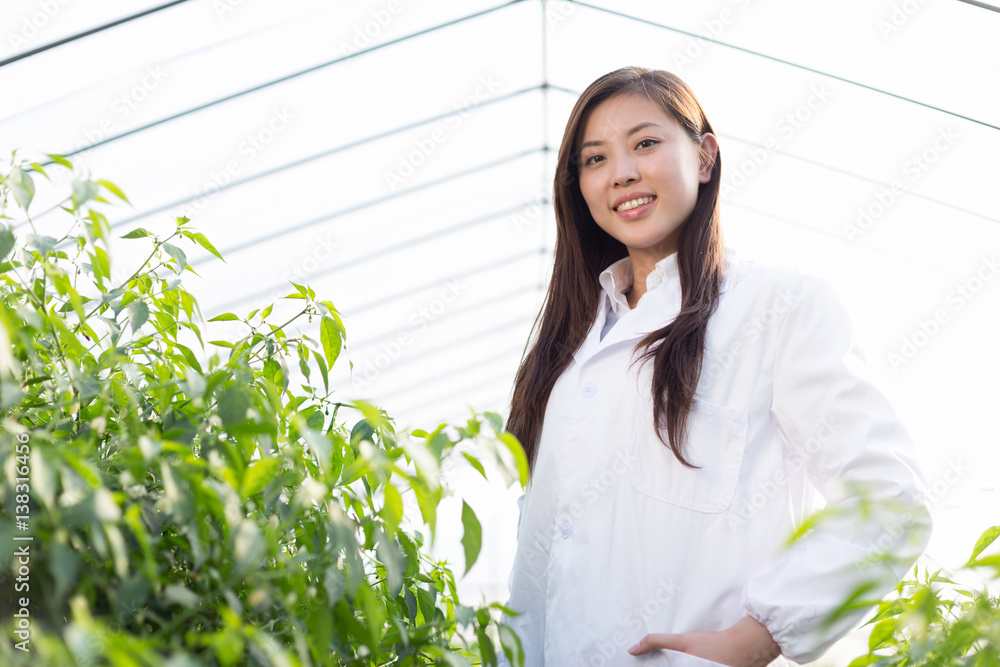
746,644
841,431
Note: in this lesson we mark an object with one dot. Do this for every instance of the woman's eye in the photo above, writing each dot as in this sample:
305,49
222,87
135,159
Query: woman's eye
592,159
646,143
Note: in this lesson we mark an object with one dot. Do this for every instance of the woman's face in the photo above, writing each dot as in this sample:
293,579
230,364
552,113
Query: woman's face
639,173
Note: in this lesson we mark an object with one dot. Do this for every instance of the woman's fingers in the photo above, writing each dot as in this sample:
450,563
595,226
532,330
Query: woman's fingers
656,640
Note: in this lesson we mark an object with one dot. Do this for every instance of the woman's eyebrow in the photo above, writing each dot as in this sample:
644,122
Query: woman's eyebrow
596,142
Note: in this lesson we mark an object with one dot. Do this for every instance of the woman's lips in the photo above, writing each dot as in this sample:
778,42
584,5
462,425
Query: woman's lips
638,211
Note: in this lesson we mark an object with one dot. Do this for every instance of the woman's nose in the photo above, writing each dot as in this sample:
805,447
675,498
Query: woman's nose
625,179
625,172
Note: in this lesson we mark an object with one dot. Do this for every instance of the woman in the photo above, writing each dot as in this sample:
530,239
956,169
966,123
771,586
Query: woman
646,544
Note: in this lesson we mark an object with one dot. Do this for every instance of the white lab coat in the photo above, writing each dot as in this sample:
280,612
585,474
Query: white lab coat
616,539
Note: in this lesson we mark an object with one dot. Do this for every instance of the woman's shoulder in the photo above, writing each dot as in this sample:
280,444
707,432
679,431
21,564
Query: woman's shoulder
748,274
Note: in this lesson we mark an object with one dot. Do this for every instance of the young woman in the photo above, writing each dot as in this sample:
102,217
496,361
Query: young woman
679,408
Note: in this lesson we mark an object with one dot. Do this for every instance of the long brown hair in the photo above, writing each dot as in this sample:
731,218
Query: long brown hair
583,250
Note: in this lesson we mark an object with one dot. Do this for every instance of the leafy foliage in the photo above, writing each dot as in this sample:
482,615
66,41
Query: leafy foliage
935,621
187,508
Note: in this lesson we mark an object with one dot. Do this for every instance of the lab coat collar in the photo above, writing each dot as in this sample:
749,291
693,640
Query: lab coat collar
657,308
619,277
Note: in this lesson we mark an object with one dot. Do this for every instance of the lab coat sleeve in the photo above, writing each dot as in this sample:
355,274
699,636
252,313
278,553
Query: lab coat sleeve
527,581
836,426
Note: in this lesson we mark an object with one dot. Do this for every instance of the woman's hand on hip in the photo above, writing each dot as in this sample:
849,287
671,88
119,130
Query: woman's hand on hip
746,644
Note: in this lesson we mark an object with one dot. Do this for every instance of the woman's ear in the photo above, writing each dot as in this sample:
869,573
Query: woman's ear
709,149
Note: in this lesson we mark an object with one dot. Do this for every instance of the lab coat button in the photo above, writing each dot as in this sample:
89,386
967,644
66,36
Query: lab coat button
566,527
588,390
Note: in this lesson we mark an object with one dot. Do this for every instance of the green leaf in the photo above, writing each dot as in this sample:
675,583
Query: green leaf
391,556
39,243
495,421
248,546
66,337
331,337
474,462
60,160
427,501
177,254
863,661
224,317
362,431
392,511
486,648
259,475
322,371
320,445
22,186
200,239
988,561
472,537
99,225
881,633
6,242
136,233
100,263
114,190
515,448
233,406
63,564
39,168
138,313
985,540
10,395
511,644
84,191
180,595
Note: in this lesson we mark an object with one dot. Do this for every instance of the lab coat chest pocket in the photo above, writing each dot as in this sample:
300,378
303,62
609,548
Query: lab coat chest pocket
716,442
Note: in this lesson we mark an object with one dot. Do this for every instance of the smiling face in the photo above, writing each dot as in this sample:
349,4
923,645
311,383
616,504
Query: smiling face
639,173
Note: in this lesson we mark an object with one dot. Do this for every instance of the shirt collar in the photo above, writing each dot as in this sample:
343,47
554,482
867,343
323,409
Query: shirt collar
618,277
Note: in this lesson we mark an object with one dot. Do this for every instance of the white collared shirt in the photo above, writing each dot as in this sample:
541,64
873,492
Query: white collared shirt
616,539
617,278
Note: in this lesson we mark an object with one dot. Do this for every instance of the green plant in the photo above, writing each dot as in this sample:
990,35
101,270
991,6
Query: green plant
189,509
937,622
924,621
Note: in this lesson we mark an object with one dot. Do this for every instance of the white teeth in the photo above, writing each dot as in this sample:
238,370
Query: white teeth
634,203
